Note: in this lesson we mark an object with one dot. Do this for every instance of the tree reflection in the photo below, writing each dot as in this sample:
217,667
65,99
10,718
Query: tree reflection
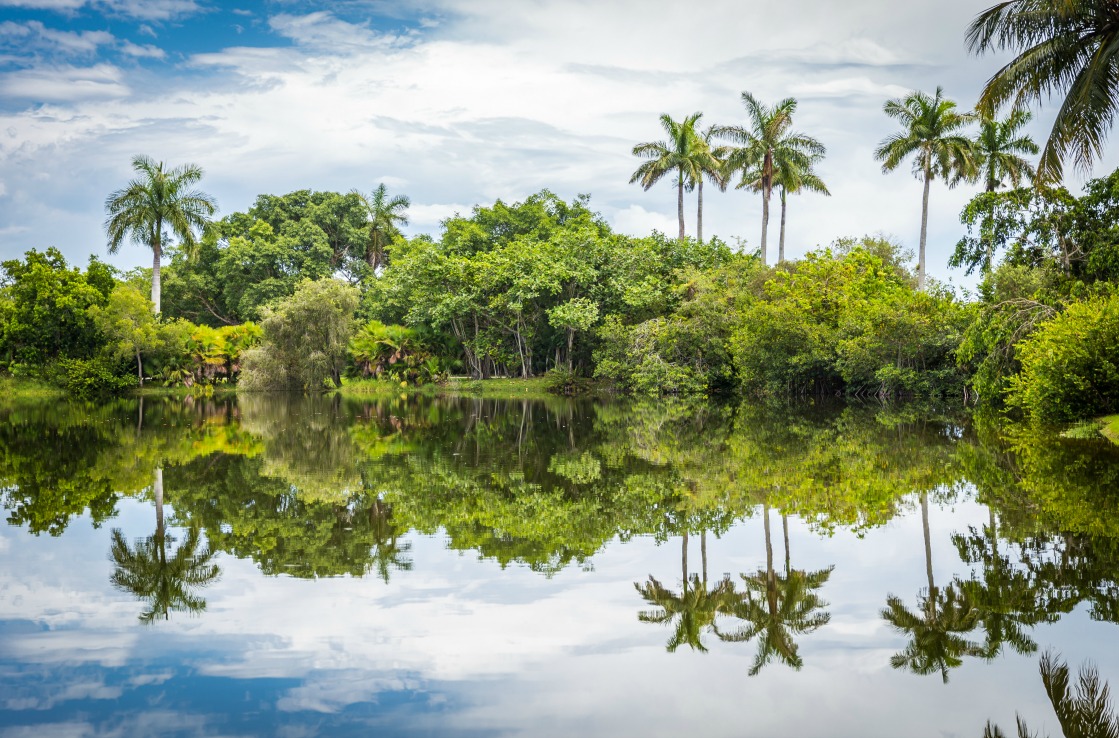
938,626
165,580
1083,710
778,607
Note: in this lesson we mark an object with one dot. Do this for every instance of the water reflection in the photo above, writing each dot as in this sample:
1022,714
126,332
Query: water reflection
406,499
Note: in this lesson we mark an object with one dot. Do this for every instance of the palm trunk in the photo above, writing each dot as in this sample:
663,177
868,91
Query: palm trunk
139,368
684,557
699,214
157,251
924,231
680,203
785,530
768,544
781,243
765,222
703,554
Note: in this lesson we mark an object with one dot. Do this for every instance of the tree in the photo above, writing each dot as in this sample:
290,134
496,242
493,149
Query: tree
712,168
795,175
931,134
128,324
684,153
999,149
765,147
306,339
155,200
1067,48
384,214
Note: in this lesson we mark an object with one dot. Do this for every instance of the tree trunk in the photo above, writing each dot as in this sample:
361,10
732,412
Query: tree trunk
703,554
570,342
680,203
924,231
781,243
785,529
139,368
765,222
157,251
684,556
699,214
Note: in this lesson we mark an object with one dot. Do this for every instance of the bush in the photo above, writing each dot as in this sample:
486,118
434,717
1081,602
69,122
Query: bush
90,377
1070,365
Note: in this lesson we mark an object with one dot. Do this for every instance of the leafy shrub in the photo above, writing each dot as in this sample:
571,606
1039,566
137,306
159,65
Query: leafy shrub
90,377
1070,365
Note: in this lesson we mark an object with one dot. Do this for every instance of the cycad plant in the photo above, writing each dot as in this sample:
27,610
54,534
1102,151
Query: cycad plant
1067,49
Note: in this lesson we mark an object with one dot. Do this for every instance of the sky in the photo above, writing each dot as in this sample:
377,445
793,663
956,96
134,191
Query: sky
456,103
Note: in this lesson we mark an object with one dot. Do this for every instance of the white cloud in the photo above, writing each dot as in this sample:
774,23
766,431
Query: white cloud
62,6
34,36
146,51
65,84
157,10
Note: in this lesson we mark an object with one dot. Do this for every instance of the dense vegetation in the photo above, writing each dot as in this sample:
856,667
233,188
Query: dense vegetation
311,287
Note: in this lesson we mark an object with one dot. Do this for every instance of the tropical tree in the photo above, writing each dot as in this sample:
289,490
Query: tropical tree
711,168
155,200
932,134
999,149
764,147
385,215
1066,48
684,153
795,175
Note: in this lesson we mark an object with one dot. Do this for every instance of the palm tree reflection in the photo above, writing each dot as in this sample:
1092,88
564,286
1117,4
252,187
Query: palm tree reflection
166,580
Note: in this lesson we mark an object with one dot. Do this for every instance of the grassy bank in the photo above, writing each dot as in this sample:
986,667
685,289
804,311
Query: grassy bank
498,389
23,388
1109,426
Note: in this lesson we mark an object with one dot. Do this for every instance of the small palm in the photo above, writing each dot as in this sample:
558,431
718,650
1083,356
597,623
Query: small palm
165,581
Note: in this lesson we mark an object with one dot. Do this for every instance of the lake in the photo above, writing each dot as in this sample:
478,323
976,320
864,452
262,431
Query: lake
298,566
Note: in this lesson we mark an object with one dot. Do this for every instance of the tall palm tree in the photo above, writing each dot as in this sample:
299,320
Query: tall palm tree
165,581
778,607
763,147
684,154
1066,48
932,134
693,610
385,214
712,168
999,149
1083,710
156,199
938,628
795,175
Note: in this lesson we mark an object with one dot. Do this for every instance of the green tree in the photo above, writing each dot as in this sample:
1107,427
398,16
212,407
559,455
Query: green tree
795,176
385,215
931,134
684,153
128,324
766,146
999,149
155,200
1067,49
306,339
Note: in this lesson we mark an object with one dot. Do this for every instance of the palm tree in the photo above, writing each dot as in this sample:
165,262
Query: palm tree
999,149
1067,48
157,198
710,167
764,147
385,214
1083,711
931,134
937,629
166,582
795,175
778,607
684,153
694,610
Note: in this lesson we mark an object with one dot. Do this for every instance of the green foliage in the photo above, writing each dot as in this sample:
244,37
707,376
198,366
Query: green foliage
1070,365
46,308
393,352
305,339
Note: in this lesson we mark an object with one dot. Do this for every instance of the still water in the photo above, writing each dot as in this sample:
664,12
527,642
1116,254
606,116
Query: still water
277,566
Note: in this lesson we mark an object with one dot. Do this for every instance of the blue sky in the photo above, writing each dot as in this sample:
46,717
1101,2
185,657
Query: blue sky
461,102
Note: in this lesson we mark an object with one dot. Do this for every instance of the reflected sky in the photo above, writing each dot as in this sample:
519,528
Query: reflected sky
460,644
